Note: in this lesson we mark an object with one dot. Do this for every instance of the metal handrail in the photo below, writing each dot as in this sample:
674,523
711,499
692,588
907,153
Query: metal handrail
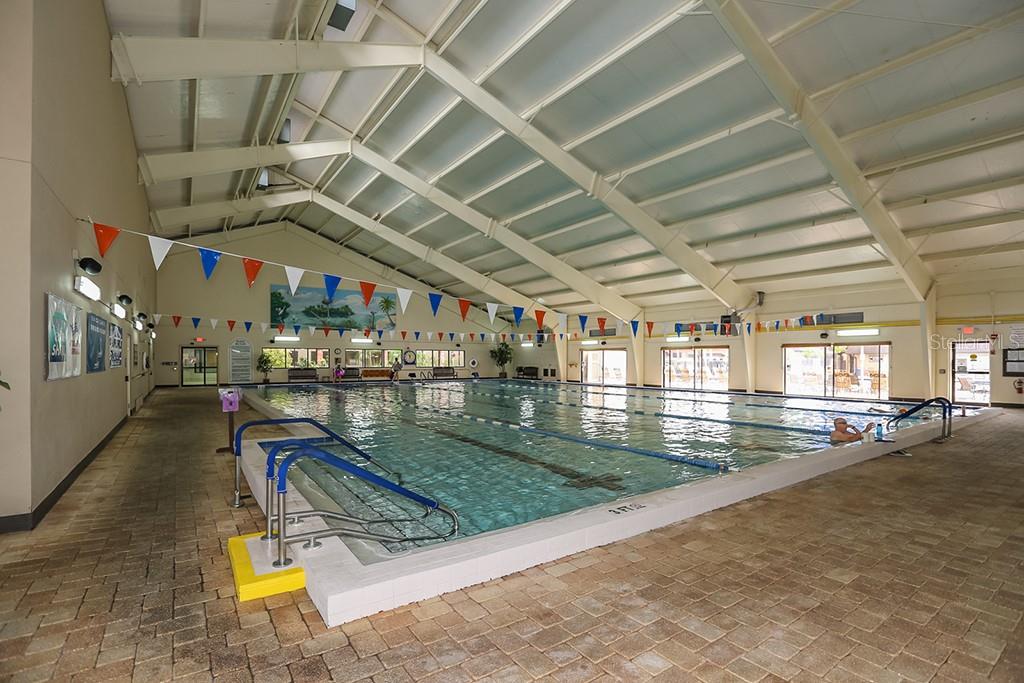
295,420
947,415
315,453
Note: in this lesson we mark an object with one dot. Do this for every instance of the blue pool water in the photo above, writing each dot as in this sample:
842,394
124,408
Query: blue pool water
502,453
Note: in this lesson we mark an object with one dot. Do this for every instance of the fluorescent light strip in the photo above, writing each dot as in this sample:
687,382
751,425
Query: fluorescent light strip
858,332
677,340
118,310
589,342
87,288
361,340
285,338
527,345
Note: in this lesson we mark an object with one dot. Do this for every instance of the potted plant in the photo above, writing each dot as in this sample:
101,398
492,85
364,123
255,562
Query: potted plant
265,364
502,356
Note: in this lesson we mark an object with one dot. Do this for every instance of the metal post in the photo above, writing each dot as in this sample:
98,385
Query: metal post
282,550
238,482
269,501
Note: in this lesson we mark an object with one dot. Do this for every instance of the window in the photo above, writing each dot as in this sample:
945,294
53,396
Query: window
373,358
353,358
298,358
440,358
840,370
701,368
392,355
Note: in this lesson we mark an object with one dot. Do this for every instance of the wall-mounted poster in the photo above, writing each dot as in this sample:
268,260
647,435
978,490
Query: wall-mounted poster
241,361
64,338
116,345
310,306
95,343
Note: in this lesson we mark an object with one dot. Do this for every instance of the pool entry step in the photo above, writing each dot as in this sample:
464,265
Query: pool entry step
250,585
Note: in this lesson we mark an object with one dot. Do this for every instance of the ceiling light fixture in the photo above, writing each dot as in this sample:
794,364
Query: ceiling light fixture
87,288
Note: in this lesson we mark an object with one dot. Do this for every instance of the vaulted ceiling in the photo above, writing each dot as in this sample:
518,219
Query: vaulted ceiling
596,153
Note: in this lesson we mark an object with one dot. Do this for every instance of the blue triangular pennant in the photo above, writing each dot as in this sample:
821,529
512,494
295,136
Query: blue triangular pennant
417,335
195,322
248,325
513,335
451,336
341,331
435,301
296,328
380,334
209,257
679,329
635,324
331,283
517,311
583,323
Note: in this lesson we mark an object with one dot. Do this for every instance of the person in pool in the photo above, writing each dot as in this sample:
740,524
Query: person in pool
844,432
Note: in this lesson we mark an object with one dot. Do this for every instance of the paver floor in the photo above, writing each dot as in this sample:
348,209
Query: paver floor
898,568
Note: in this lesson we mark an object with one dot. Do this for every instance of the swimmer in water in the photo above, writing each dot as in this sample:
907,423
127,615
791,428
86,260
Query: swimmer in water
844,432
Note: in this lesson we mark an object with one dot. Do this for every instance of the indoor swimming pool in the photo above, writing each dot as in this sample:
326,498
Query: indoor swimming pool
504,453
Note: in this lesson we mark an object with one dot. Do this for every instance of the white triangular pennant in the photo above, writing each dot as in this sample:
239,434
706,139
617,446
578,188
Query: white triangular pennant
213,323
264,326
403,297
391,334
156,318
563,321
492,310
462,336
312,329
159,247
294,276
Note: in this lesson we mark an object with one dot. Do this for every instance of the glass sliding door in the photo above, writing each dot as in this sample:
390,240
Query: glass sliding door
806,370
861,371
603,367
700,368
199,366
971,372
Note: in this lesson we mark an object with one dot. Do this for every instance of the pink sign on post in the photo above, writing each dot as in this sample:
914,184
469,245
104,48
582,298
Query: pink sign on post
230,399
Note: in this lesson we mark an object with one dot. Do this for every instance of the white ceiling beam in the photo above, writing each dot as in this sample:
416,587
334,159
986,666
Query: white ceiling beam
183,215
811,123
589,288
464,274
157,168
146,59
716,281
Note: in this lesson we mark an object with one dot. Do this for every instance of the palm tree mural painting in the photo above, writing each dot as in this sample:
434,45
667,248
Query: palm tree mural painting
310,306
387,307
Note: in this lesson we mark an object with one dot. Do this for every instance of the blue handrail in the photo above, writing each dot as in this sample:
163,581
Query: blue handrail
277,448
299,420
947,411
356,471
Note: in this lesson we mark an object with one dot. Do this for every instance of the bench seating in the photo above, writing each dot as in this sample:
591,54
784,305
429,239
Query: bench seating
302,375
376,373
528,372
444,373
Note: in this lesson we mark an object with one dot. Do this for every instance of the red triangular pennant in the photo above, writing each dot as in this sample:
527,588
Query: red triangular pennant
280,328
502,336
252,269
404,332
439,335
472,336
464,307
650,327
176,319
366,330
367,288
231,325
327,331
105,236
601,322
539,314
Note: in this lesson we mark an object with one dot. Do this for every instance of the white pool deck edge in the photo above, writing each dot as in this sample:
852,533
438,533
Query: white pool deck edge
344,589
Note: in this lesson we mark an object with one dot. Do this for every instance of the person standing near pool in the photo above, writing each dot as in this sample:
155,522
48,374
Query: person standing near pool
339,371
844,432
396,367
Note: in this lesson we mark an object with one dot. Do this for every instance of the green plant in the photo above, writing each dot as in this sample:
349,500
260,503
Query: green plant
501,355
264,364
387,307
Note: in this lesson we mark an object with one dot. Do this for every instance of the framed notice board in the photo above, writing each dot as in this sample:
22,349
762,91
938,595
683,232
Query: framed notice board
1013,362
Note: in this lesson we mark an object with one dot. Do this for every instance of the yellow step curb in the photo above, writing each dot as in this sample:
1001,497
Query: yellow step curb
251,586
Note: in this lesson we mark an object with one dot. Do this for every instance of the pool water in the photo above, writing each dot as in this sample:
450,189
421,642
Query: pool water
503,453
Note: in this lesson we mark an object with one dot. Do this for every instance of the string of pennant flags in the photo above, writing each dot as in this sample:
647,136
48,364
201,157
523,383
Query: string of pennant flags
106,236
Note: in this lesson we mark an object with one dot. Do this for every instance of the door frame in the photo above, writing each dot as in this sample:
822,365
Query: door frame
583,365
954,374
181,366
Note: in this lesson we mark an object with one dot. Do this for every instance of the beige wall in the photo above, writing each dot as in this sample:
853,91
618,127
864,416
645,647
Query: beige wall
15,191
183,291
82,162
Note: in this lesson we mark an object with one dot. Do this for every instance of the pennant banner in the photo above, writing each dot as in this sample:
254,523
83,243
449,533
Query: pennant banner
231,325
539,314
492,310
252,269
517,311
403,297
156,318
294,276
105,236
159,247
176,319
635,324
209,259
464,305
583,323
367,290
435,301
331,283
195,322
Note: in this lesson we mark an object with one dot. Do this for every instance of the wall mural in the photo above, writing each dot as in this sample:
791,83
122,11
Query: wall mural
64,338
310,306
